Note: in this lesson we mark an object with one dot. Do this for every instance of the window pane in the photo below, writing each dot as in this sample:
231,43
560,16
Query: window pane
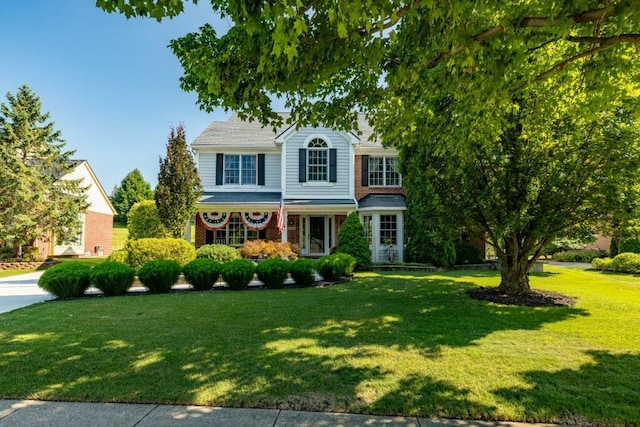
392,175
249,170
235,230
388,229
368,227
317,165
376,171
231,169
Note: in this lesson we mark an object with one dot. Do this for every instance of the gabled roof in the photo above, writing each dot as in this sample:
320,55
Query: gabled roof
238,133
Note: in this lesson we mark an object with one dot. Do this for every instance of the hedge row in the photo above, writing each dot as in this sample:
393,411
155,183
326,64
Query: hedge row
71,280
626,262
579,255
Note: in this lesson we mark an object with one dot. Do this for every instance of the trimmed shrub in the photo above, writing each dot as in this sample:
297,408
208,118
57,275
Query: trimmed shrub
202,273
143,221
352,241
626,262
579,255
601,264
142,251
273,271
333,267
269,249
629,245
66,280
120,255
220,253
466,253
303,271
160,275
112,278
238,273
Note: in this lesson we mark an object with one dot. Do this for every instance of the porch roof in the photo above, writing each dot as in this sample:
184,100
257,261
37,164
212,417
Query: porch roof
319,202
383,201
240,198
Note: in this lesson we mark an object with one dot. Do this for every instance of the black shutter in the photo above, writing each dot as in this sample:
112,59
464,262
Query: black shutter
333,161
260,169
219,168
365,171
302,165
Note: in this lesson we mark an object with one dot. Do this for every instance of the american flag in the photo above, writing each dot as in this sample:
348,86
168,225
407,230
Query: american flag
280,216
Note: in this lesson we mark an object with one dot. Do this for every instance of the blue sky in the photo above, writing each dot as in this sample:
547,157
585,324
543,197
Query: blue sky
110,84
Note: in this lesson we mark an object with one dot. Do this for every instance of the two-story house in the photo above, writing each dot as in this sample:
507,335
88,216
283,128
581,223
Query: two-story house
297,185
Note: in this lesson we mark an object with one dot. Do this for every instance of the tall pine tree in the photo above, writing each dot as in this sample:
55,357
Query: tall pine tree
132,189
179,185
34,202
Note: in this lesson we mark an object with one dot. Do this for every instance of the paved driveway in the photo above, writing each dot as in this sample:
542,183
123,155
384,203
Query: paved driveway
21,291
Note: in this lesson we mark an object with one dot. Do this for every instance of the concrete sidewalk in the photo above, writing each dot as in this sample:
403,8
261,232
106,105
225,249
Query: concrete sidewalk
70,414
21,291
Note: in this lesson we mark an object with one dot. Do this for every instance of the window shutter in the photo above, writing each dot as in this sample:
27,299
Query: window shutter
219,168
302,165
365,171
260,169
333,162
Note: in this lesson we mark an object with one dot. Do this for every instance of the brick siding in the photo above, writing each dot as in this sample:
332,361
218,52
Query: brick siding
98,230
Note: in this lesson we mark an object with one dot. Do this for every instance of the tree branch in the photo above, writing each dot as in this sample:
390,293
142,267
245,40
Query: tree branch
606,41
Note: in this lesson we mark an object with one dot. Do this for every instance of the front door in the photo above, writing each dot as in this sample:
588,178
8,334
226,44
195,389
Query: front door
317,235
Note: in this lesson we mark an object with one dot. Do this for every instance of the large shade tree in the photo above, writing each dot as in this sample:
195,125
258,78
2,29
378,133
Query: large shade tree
513,72
35,203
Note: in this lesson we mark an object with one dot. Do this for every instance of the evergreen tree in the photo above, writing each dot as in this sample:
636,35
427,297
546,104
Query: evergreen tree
132,189
35,202
352,241
179,185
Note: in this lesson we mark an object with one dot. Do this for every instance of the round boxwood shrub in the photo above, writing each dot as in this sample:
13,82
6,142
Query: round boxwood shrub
238,273
220,253
202,273
303,271
66,280
160,275
626,262
119,255
112,278
601,264
142,251
333,267
273,271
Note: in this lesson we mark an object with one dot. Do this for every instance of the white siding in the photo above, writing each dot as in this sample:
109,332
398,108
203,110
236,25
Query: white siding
272,172
95,197
340,188
207,170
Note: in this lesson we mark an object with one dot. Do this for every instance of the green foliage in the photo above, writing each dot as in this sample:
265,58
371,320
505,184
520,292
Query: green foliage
202,273
273,271
467,253
269,249
579,255
613,249
429,247
303,271
334,267
66,280
132,189
626,262
142,251
179,187
217,252
563,244
352,241
629,245
112,278
31,254
238,273
144,221
121,255
159,275
601,264
37,198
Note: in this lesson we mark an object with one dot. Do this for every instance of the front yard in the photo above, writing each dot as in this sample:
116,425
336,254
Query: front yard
393,343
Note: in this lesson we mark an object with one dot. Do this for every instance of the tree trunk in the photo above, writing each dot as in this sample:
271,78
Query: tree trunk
515,278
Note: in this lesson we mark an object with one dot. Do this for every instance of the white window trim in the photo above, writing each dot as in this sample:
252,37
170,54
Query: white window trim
239,184
384,172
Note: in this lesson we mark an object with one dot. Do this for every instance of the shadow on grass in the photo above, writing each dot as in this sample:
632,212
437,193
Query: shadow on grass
306,349
611,381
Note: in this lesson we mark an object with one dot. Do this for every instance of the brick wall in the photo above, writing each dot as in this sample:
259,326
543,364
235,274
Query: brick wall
363,191
293,229
98,230
271,231
201,232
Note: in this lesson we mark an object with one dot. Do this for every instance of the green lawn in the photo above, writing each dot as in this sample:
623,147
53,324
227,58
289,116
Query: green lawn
8,273
120,234
395,343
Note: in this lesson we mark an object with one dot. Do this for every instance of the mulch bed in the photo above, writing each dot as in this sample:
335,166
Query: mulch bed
533,298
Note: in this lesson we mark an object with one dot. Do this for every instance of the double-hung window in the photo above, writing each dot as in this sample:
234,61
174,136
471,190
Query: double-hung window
383,172
317,160
388,229
240,169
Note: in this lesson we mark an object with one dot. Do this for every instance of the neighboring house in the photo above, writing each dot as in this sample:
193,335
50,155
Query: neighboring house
96,236
314,176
